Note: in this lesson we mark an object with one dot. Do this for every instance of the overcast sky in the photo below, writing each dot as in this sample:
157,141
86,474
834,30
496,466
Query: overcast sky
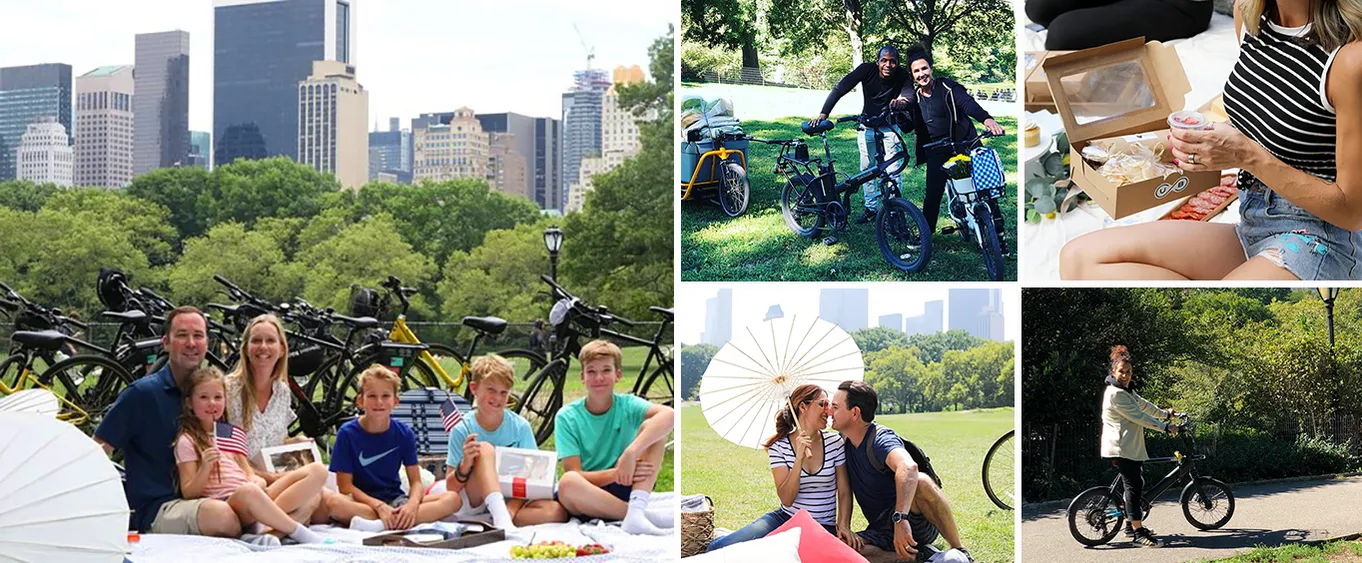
751,300
413,56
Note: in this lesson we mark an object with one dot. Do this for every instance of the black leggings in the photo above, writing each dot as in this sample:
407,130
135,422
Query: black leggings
1081,24
1134,480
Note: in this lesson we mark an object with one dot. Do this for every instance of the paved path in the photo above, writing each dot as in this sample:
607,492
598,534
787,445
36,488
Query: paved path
768,102
1269,514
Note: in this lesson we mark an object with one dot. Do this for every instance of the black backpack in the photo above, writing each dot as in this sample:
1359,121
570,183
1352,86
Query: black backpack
924,463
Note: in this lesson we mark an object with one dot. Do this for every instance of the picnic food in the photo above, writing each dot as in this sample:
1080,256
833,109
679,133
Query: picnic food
1133,163
1206,204
1031,134
556,550
1188,120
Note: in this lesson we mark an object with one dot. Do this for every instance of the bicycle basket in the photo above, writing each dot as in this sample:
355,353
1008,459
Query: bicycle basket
958,167
988,169
111,286
364,303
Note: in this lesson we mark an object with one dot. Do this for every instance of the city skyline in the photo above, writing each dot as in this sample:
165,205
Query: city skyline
394,44
752,301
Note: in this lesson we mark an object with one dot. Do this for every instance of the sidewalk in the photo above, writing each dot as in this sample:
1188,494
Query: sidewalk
1270,515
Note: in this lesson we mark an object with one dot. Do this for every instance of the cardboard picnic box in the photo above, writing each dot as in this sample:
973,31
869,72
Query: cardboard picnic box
526,474
474,539
1121,94
1038,97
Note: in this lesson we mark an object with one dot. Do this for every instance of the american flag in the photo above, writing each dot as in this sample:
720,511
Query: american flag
450,415
231,439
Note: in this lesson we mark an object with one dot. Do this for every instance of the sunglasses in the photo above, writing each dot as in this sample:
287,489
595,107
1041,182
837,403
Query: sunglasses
822,403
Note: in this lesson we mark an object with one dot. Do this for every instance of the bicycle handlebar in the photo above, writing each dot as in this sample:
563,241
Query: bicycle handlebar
948,141
71,321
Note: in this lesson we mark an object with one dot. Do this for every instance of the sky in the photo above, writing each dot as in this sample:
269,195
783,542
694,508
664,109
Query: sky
751,300
414,56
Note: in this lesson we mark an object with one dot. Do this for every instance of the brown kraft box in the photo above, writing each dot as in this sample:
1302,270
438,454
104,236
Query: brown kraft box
398,539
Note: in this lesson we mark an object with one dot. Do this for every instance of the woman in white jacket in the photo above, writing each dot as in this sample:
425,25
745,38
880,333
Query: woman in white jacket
1125,415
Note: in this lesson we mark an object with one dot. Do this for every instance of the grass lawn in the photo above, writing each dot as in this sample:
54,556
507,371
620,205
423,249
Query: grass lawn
740,483
1349,551
759,246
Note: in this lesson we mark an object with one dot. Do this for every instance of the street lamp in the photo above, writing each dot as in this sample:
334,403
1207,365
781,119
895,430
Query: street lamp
1328,294
553,240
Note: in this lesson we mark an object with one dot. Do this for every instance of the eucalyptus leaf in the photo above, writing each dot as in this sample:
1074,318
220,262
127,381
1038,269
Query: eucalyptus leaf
1036,187
1053,164
1032,216
1045,205
1062,142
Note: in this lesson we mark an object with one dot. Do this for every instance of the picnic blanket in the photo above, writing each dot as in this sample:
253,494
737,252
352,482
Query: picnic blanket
348,545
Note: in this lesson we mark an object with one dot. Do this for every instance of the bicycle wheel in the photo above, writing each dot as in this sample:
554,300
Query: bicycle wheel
78,374
657,387
524,364
988,241
999,470
799,206
449,360
733,190
1095,516
1207,503
10,369
542,399
904,237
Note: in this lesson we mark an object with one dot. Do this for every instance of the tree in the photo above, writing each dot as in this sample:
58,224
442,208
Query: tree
806,24
876,338
438,218
694,361
23,195
363,255
928,21
146,223
729,23
247,190
500,277
897,375
933,346
180,190
56,257
251,260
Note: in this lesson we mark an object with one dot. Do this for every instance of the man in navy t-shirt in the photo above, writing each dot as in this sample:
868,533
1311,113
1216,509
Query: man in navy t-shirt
904,509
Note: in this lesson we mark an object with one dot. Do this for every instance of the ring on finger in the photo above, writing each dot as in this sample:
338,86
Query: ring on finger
1191,158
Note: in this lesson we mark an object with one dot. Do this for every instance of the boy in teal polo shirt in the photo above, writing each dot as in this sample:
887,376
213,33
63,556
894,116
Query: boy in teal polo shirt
611,445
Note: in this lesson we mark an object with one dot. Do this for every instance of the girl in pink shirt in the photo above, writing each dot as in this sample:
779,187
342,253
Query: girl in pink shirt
208,472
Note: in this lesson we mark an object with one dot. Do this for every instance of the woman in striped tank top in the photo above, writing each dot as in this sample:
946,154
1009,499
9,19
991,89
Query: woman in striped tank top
808,466
1295,134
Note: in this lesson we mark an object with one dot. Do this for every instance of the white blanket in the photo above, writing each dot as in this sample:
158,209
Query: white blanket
1208,59
348,545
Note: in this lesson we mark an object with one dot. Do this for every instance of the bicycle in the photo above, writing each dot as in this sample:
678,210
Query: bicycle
972,198
661,376
999,471
814,201
725,180
1095,515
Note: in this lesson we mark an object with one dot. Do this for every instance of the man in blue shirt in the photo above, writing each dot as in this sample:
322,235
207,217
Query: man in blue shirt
143,423
903,509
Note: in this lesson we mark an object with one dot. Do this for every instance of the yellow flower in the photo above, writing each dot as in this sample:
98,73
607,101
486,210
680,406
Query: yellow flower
1051,215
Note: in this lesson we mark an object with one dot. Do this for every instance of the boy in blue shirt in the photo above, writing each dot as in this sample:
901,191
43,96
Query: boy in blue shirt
472,451
368,453
611,445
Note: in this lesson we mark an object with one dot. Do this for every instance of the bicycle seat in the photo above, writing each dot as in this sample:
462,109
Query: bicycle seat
357,322
664,312
42,340
132,316
817,128
489,325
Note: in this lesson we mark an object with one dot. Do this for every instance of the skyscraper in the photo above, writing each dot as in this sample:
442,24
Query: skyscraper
774,312
333,110
445,149
104,127
581,125
161,101
27,94
506,166
45,155
719,318
538,140
619,138
977,311
894,321
262,49
201,149
389,151
848,308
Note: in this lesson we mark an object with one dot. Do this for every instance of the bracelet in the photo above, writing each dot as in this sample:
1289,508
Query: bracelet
462,477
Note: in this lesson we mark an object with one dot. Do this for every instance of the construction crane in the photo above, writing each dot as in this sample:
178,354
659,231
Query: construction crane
590,51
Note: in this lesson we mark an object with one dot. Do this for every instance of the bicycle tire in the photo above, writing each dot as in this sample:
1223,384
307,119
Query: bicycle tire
797,191
900,221
1196,497
988,242
998,472
10,370
525,363
540,404
93,405
663,372
1095,510
734,189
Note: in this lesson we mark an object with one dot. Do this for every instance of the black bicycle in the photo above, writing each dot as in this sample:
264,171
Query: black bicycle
972,197
815,202
1096,515
999,471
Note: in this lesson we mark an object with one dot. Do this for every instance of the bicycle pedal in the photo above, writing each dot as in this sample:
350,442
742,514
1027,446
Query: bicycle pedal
949,230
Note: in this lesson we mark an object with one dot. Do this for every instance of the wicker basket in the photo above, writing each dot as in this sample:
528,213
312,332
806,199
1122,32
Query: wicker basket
697,529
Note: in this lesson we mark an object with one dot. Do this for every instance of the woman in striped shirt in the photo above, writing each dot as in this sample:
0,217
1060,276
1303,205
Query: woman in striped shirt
1295,134
807,463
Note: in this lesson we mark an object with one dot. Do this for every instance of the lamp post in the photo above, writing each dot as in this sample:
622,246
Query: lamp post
553,240
1328,294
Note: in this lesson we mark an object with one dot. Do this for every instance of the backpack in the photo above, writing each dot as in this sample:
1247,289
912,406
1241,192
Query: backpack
924,463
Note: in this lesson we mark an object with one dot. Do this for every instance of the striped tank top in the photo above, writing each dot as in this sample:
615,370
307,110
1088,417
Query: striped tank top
1276,97
817,491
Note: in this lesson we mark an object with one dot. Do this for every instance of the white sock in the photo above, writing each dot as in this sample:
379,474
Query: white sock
366,525
261,539
303,534
661,518
636,518
501,518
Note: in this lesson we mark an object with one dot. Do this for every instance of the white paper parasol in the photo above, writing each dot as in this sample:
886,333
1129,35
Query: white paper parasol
61,498
752,376
39,401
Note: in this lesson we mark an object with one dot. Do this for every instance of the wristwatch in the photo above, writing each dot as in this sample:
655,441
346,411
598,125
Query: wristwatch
898,516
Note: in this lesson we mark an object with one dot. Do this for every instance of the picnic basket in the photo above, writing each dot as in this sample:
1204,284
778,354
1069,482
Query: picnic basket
697,529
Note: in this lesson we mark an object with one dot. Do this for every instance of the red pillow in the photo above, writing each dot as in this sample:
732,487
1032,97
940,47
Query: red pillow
816,545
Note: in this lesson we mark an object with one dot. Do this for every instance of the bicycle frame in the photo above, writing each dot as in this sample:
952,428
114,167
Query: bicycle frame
714,158
402,334
1186,467
27,379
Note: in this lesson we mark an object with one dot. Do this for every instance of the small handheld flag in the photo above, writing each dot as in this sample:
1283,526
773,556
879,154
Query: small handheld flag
450,415
231,439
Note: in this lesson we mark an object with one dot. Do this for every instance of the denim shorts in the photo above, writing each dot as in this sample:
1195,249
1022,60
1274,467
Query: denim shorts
1293,238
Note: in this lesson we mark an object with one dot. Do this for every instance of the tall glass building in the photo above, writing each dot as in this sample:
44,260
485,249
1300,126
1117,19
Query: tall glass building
28,94
581,126
538,140
160,101
262,49
201,149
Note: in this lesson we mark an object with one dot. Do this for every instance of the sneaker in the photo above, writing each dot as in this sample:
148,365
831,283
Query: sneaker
1130,532
1144,538
830,240
867,217
967,555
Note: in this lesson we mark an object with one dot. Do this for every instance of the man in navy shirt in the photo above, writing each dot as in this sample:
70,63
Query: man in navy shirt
903,509
143,423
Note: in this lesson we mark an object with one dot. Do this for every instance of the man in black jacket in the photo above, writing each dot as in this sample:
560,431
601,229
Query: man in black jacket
941,108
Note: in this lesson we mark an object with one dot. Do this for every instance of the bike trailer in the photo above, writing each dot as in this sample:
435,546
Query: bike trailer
690,159
924,463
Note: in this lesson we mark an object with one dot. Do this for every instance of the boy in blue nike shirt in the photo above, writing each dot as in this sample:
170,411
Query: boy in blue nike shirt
368,453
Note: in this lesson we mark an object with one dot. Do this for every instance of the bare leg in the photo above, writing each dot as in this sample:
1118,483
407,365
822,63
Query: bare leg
581,497
929,502
294,489
484,476
322,515
304,514
218,519
437,507
343,509
1169,250
252,505
529,513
